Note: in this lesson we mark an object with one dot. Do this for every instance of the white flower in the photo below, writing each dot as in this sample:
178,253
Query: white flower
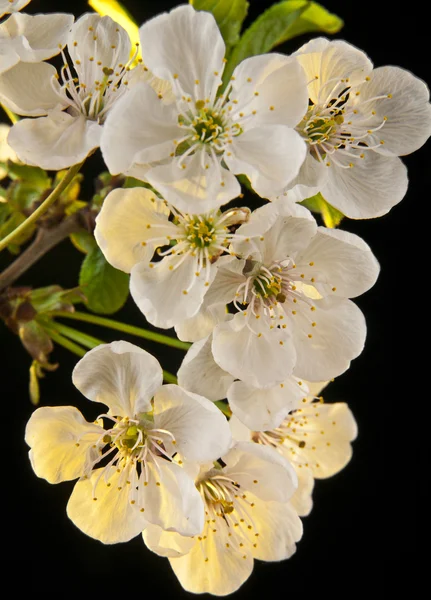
315,439
138,482
75,105
10,6
256,408
32,38
190,149
133,224
360,120
297,317
248,517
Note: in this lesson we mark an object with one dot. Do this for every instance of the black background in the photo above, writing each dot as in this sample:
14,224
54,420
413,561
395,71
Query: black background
364,516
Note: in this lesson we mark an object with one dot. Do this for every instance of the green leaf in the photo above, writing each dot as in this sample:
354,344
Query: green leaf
330,215
35,176
105,288
229,14
280,23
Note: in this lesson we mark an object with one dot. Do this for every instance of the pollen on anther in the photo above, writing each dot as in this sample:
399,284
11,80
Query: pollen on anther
334,289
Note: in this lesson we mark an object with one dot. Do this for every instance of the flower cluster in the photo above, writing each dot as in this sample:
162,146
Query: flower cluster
264,295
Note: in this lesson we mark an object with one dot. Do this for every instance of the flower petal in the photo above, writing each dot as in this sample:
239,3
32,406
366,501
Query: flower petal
8,56
406,110
274,86
342,263
55,142
10,6
270,156
119,375
200,374
171,499
37,37
302,500
369,189
125,224
261,361
201,430
197,184
96,43
330,429
167,294
208,567
185,46
31,89
202,323
166,543
264,409
279,528
139,129
328,64
262,471
307,183
111,518
337,338
61,442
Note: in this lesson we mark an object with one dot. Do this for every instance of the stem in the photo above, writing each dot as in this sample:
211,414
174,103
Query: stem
44,241
41,210
86,340
62,341
131,329
12,116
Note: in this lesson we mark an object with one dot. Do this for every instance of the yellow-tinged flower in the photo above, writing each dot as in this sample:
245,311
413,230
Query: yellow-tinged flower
117,12
127,473
247,516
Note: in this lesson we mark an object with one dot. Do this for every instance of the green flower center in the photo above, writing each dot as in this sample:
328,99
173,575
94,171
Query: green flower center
268,287
200,232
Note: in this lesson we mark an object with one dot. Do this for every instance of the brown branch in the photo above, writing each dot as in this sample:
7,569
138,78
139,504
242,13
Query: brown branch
44,241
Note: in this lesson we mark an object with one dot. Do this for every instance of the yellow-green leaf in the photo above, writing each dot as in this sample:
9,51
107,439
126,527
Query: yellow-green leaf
229,14
330,215
105,288
280,23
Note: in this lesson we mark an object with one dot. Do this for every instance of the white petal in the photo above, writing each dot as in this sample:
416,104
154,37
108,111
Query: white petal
171,499
309,181
202,323
186,46
369,189
340,260
196,185
337,338
10,6
279,528
262,470
407,111
228,278
8,56
264,409
37,37
139,129
125,224
200,374
270,156
302,500
167,294
55,142
201,430
111,518
119,375
31,89
330,428
240,432
261,361
274,86
61,442
96,43
326,63
166,543
209,567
